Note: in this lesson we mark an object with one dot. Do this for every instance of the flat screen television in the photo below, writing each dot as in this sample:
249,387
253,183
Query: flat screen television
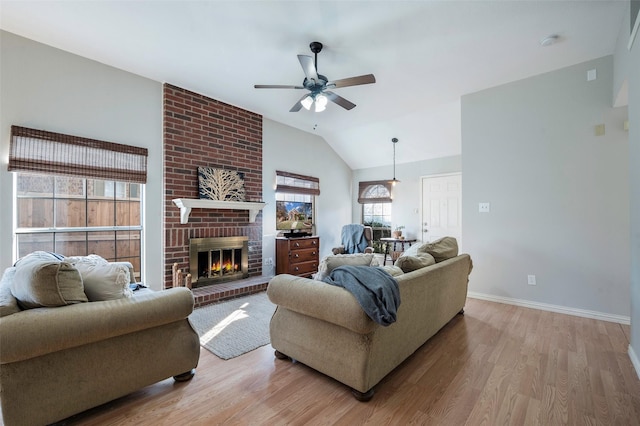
295,217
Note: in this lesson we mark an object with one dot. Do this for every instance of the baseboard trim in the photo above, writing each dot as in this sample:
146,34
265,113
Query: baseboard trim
634,360
620,319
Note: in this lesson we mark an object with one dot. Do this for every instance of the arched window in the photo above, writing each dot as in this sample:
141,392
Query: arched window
375,197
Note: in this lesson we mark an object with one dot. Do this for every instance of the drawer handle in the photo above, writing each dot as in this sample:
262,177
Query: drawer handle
314,242
297,244
313,253
296,255
297,269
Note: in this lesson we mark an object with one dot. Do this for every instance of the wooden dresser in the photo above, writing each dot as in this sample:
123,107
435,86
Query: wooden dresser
297,256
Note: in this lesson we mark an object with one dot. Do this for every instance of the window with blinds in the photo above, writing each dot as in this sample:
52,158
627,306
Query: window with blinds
295,201
62,207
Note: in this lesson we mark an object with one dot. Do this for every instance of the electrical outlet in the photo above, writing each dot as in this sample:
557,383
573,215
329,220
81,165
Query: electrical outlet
268,261
484,207
531,279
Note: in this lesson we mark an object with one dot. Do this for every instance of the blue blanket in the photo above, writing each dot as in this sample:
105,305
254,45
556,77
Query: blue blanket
375,290
353,238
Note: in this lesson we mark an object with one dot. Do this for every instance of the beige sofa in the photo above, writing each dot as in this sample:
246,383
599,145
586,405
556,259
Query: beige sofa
324,327
59,361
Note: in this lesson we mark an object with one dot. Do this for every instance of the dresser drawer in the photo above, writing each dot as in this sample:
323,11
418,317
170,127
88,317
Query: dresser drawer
303,255
303,243
304,268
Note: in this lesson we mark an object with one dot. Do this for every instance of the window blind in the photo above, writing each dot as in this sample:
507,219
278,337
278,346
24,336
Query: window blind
297,184
39,151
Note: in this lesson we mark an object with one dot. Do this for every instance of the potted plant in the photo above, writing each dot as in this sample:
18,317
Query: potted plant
397,232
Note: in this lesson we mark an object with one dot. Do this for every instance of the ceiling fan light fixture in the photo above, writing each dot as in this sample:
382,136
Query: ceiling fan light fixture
307,102
321,103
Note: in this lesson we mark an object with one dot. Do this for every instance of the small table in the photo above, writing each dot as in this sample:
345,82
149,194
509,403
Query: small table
395,241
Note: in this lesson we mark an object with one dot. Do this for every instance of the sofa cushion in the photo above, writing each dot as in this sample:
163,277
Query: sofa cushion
8,303
392,270
46,283
330,263
102,280
441,249
411,263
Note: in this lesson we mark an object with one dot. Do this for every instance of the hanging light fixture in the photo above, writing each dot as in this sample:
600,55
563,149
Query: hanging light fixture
394,180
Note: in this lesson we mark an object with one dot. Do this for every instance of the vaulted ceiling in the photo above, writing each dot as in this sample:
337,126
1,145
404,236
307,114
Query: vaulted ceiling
424,54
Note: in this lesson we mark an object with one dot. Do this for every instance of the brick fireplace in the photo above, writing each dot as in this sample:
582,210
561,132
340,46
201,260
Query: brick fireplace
200,131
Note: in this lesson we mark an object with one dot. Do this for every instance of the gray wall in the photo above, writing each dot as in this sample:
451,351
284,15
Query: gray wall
559,194
407,195
46,88
634,165
288,149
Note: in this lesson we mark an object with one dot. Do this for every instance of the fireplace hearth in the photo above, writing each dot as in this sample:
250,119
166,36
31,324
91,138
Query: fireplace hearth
218,260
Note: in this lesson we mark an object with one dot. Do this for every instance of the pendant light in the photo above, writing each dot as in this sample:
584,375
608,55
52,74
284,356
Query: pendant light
394,180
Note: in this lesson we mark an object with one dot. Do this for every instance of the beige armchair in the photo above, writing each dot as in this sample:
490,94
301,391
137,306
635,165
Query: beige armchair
367,234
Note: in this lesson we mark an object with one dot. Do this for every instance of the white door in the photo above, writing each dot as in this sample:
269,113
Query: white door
442,207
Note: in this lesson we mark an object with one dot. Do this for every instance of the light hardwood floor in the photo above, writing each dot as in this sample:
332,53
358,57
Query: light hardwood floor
495,365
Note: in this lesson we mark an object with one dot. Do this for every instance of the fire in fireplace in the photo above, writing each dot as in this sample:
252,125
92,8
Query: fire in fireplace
216,260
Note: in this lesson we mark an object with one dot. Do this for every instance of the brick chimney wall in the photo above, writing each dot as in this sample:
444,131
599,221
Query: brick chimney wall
200,131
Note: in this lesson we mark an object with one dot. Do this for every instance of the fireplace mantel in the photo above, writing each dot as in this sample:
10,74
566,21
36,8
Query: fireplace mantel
186,204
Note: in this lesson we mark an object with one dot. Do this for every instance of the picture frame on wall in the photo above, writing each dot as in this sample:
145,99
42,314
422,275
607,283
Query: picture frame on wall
220,184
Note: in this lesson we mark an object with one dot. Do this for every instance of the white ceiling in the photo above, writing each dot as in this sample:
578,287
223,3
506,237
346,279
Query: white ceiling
424,54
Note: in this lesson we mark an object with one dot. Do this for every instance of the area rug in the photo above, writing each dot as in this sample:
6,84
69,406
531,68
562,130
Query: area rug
232,328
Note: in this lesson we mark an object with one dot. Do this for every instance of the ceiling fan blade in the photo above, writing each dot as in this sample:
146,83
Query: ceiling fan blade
352,81
276,86
298,105
339,100
308,67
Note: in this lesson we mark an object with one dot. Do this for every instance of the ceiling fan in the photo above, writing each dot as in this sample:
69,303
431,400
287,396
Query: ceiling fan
318,84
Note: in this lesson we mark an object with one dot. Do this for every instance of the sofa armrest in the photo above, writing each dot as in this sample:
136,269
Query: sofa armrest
319,300
34,332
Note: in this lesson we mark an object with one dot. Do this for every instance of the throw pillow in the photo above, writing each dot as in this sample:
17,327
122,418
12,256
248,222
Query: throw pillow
330,263
412,263
442,249
102,280
40,255
413,250
40,283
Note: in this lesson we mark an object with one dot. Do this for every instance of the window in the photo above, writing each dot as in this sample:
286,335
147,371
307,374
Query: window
375,197
76,216
77,196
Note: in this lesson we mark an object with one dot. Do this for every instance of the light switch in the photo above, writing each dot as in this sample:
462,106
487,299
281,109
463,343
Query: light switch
592,75
484,207
599,130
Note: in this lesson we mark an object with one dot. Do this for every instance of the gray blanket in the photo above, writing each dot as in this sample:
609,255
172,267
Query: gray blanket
375,290
353,238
